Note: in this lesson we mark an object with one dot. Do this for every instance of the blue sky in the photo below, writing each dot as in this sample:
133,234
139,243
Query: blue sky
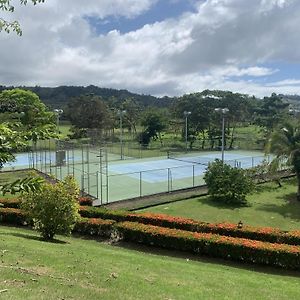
161,10
158,47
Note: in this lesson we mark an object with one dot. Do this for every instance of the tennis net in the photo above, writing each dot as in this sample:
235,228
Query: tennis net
200,160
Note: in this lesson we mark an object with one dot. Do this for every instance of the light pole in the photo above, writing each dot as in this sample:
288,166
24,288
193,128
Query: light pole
186,115
58,112
223,111
121,113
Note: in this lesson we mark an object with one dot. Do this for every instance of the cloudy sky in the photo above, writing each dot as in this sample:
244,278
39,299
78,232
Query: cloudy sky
158,47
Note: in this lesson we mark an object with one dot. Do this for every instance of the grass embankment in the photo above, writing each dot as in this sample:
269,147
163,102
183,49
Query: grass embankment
88,269
269,206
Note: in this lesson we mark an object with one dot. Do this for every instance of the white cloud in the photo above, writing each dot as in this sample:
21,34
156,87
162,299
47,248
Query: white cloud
222,40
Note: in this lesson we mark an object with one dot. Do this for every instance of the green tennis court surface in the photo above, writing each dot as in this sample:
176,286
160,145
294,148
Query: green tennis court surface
107,178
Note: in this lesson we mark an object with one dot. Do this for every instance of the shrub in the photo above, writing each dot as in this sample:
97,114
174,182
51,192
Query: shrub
227,184
54,208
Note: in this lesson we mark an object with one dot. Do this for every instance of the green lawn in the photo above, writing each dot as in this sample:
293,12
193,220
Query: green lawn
269,206
76,268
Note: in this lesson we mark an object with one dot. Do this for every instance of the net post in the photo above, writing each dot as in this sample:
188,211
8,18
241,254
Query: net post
168,154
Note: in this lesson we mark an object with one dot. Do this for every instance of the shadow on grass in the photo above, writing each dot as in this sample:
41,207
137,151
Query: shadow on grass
34,237
287,206
261,188
209,201
206,259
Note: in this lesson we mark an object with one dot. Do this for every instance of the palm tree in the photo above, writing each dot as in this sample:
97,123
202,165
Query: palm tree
285,143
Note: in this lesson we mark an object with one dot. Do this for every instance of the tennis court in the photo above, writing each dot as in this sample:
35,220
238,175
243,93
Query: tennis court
107,178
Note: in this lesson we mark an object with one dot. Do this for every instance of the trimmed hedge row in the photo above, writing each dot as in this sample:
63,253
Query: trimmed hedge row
233,248
96,227
12,216
85,201
271,235
15,202
267,234
237,249
91,226
12,203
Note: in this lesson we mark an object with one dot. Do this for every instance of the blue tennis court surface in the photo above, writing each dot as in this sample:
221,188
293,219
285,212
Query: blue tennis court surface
160,170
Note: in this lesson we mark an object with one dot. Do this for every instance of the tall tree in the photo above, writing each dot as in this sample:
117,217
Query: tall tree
5,5
27,106
88,112
32,123
285,143
271,111
154,121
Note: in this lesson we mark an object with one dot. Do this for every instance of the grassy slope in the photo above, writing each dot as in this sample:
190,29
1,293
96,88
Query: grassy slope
269,206
88,269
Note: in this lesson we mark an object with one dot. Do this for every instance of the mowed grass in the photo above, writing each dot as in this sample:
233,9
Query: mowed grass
75,268
270,206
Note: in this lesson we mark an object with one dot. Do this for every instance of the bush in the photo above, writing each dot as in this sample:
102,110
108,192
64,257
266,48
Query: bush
54,208
227,184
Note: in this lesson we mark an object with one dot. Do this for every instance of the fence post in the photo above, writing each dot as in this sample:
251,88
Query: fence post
97,184
193,175
82,184
141,191
168,180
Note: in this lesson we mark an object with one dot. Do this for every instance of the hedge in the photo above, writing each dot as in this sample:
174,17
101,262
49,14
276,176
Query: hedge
237,249
12,216
272,235
12,203
85,201
96,227
233,248
267,234
15,202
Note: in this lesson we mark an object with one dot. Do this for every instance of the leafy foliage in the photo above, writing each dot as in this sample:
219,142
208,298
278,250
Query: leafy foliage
22,185
5,5
285,143
54,208
154,122
88,111
10,140
227,184
27,106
